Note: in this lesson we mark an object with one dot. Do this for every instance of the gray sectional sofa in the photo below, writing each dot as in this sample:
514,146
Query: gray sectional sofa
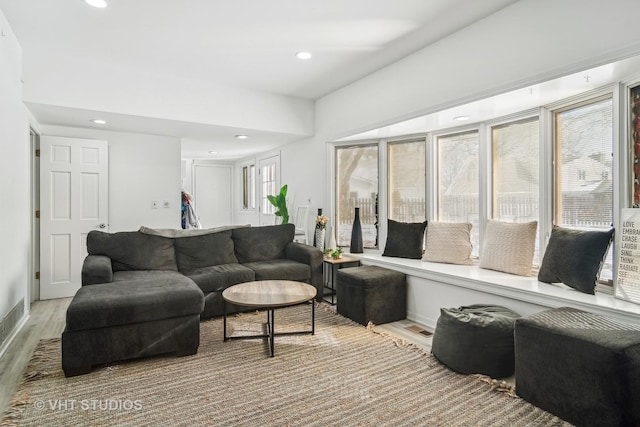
144,294
213,260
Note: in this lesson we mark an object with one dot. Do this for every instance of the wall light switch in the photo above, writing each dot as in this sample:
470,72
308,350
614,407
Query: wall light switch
154,204
166,204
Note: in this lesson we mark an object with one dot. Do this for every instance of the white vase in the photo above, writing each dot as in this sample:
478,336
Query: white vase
320,233
332,240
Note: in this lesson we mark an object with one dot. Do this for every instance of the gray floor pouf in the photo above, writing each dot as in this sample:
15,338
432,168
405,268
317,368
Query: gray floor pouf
372,294
579,366
477,339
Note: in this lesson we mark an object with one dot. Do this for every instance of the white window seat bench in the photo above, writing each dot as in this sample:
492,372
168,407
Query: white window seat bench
432,286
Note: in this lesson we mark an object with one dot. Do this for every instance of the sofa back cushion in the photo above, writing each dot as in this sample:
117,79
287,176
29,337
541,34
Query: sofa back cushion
131,250
262,243
204,251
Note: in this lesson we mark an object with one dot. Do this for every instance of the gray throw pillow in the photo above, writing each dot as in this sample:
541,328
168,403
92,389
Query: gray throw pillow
404,239
575,258
131,250
204,251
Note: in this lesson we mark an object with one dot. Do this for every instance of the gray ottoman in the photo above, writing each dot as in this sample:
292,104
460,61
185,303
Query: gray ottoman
125,320
372,294
580,366
477,339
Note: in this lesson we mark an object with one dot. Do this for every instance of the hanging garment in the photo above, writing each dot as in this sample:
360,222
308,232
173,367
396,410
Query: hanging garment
189,216
192,218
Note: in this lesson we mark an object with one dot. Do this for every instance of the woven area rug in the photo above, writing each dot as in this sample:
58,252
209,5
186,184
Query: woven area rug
344,375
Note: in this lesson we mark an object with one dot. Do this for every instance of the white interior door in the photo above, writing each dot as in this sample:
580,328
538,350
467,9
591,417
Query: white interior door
212,194
73,201
269,178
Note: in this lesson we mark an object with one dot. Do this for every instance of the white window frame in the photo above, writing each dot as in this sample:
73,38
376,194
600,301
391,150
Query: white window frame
433,170
547,163
382,187
622,188
486,162
408,139
254,183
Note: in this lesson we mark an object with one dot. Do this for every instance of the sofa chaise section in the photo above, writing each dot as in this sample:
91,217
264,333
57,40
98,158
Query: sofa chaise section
130,319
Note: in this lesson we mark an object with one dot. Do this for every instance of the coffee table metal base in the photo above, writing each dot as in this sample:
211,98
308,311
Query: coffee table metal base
271,334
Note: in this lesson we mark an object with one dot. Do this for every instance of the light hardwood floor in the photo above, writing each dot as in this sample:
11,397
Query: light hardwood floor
47,320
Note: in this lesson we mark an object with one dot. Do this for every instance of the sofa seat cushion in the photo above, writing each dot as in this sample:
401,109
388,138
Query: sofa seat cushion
217,278
136,301
204,251
131,250
280,269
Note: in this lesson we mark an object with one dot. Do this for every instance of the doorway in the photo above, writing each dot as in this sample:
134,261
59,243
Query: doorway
269,176
34,272
212,189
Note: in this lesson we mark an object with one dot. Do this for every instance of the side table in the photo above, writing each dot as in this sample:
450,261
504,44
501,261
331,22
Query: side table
330,269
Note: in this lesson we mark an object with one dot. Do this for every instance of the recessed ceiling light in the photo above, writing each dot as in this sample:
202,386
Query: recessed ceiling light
303,55
461,118
213,152
242,136
99,121
97,3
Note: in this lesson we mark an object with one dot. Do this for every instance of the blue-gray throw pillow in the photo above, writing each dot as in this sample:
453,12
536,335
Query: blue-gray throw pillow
575,258
404,239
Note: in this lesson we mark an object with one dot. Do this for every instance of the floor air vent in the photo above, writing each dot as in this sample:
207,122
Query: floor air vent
418,330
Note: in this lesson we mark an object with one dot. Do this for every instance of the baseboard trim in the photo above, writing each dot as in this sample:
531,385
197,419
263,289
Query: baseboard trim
4,345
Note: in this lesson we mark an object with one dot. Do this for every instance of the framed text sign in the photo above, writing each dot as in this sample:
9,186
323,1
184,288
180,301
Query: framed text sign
628,278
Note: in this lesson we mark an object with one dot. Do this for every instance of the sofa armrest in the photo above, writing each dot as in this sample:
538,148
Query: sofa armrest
96,269
311,256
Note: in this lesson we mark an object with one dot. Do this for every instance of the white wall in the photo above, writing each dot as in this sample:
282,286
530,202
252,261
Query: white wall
303,169
15,183
525,43
142,168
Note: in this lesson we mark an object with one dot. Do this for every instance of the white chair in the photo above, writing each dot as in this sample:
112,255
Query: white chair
301,220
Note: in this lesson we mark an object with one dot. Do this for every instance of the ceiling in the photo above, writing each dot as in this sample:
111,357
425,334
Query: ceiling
247,44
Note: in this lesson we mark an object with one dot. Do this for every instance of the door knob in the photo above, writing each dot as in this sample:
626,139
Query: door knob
103,225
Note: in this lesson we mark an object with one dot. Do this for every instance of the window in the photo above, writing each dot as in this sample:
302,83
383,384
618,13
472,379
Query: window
357,186
248,187
269,183
583,137
407,181
515,166
458,183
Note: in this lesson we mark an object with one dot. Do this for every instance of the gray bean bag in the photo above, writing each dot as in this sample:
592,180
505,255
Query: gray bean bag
477,339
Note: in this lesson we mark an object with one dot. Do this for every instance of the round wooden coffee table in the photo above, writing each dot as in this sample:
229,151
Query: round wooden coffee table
269,295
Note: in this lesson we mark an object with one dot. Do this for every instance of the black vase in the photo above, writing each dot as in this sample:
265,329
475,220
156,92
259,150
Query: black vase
356,234
314,233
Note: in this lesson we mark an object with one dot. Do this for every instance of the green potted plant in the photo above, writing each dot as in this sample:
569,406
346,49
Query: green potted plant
337,254
280,203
